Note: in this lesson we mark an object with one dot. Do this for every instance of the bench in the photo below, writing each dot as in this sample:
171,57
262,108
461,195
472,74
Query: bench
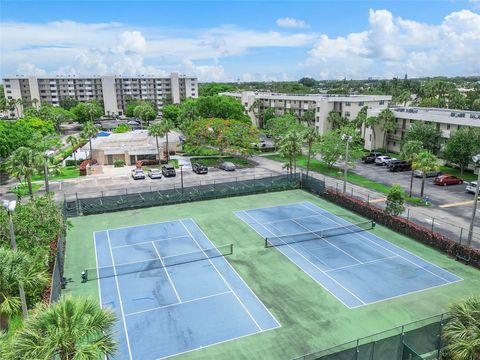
462,257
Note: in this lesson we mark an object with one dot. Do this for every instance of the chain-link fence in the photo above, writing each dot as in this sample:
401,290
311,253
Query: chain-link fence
58,282
417,340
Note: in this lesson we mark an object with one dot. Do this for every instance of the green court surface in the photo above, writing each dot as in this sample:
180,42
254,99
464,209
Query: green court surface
311,318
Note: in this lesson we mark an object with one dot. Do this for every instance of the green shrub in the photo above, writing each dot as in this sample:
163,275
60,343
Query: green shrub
191,150
122,128
119,163
73,162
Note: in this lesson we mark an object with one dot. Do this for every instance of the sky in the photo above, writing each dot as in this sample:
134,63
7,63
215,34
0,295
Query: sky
241,40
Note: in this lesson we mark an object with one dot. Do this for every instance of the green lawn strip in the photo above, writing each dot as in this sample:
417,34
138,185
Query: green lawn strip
467,175
22,189
67,172
319,167
216,161
311,318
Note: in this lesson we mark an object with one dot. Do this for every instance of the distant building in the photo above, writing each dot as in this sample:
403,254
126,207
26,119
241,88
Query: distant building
446,120
321,104
113,91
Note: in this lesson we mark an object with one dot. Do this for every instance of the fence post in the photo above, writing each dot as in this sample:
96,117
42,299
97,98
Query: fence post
352,191
368,198
461,234
439,346
433,222
358,349
336,187
408,214
126,191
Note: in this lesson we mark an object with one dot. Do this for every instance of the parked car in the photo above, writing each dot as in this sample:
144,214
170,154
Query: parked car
199,168
133,122
168,170
399,165
138,174
471,187
382,160
154,174
389,161
419,173
370,158
447,179
227,166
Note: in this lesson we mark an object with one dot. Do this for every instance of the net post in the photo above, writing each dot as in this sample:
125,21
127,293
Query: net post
266,244
231,249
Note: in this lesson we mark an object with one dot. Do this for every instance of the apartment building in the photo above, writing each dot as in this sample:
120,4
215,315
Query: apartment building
321,104
113,91
446,120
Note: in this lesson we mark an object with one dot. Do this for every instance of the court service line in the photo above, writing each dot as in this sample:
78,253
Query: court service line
177,303
313,266
363,263
335,246
295,218
119,297
149,241
210,261
417,265
241,279
166,272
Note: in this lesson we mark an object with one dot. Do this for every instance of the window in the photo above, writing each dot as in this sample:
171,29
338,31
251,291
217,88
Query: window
361,103
394,143
7,86
347,113
381,102
347,104
448,126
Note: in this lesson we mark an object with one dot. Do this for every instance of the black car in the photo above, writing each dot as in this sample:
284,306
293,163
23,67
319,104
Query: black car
399,165
370,158
199,168
168,170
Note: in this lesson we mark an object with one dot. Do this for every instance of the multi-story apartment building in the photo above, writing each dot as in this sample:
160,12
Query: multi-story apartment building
321,105
446,120
113,91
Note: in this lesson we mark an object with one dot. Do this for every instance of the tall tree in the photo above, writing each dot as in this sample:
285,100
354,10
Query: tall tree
74,142
426,162
290,147
461,146
24,162
171,113
145,112
462,331
222,107
387,119
331,146
73,328
87,111
427,134
309,136
404,96
279,126
410,150
336,120
360,120
157,131
89,131
395,200
371,122
166,126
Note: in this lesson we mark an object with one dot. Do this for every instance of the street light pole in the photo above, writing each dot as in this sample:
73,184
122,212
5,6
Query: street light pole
10,207
181,176
476,161
347,139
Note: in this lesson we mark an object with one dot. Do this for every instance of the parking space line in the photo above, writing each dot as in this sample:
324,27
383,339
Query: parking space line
468,202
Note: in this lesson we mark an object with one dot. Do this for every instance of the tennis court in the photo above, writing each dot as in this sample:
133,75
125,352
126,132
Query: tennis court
348,260
172,290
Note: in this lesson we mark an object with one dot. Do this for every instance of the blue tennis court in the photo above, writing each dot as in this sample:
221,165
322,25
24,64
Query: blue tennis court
173,290
355,266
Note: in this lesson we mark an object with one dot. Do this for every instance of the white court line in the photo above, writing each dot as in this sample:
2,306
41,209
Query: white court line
119,298
417,265
239,277
366,262
98,270
354,258
142,225
178,303
210,260
166,272
295,218
146,242
314,266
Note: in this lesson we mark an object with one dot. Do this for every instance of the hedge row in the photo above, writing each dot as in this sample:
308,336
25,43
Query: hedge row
405,227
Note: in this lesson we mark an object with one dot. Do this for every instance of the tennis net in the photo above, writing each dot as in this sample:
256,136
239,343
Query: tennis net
157,263
321,234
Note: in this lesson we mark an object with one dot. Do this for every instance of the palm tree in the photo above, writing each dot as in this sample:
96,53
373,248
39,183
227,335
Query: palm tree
16,269
290,146
336,120
371,122
73,328
157,131
462,331
310,136
24,162
89,131
426,162
361,119
387,118
410,150
256,109
404,96
35,103
166,126
74,142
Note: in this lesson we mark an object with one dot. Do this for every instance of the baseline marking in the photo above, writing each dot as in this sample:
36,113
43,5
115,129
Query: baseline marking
146,242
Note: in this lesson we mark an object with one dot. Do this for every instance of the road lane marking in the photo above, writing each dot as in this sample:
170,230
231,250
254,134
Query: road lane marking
456,204
378,200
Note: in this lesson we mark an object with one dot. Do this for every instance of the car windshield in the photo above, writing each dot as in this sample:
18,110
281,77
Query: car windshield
155,171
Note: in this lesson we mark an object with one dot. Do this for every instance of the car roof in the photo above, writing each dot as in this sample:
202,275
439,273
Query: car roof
227,163
154,170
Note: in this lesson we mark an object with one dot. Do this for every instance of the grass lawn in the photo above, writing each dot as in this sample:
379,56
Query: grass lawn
311,318
322,168
23,189
67,172
216,161
467,174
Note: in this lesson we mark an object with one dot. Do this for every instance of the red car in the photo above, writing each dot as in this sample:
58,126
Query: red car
447,179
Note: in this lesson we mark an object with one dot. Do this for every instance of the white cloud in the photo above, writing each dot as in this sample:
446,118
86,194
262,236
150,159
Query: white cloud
392,46
289,22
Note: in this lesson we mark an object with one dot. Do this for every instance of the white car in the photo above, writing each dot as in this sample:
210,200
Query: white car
382,160
471,187
154,174
138,174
